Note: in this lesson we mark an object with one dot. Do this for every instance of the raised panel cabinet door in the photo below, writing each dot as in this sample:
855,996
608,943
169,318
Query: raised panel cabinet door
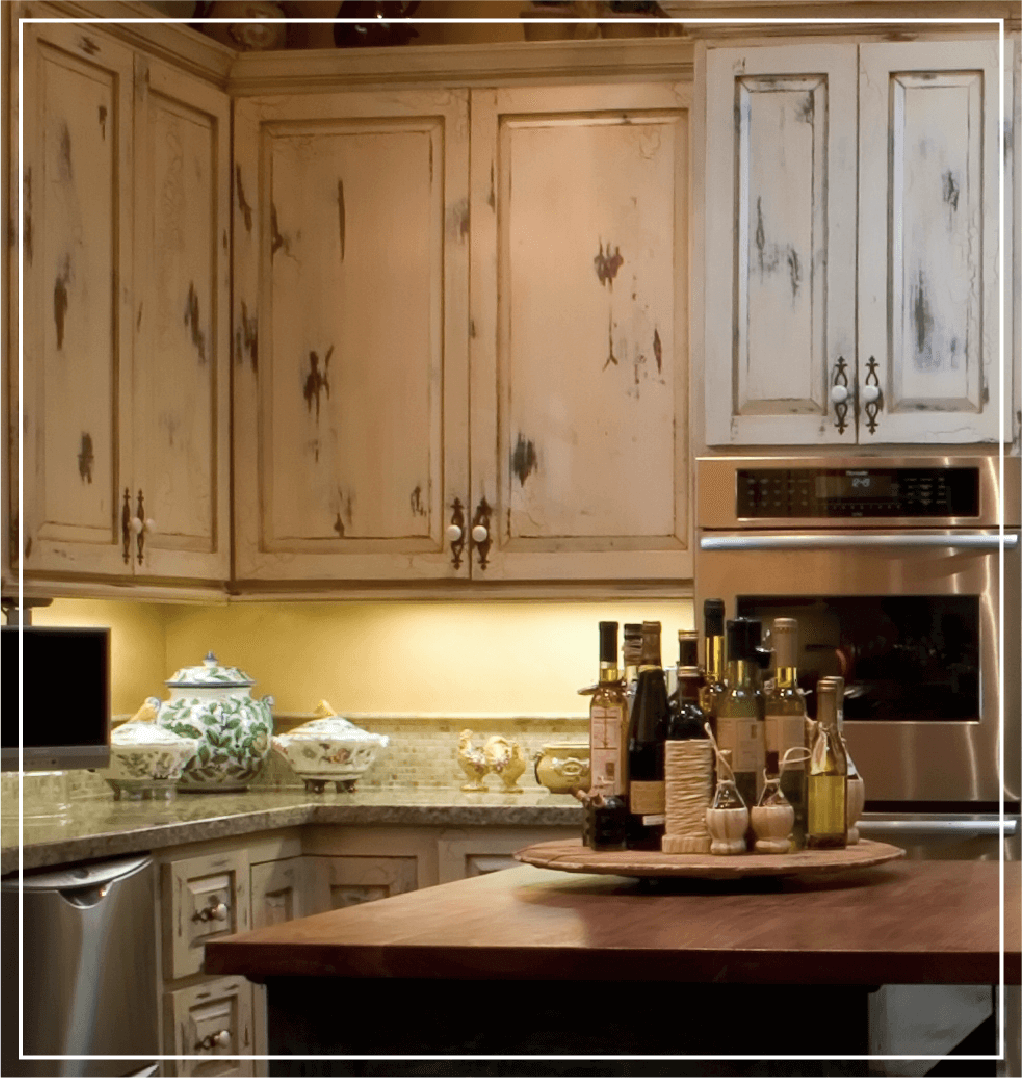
335,882
181,400
930,243
780,237
351,335
210,1022
579,350
76,352
278,891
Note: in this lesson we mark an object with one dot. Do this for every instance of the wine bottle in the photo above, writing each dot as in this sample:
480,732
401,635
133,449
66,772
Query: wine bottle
608,713
784,710
713,687
647,727
828,775
606,819
686,718
740,712
631,649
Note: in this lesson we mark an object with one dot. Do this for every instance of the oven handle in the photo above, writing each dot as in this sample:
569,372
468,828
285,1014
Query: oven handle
800,542
989,826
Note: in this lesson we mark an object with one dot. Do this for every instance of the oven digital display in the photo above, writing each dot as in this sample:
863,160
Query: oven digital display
936,493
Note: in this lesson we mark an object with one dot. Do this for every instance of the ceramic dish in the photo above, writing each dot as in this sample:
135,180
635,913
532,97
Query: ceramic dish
329,749
146,760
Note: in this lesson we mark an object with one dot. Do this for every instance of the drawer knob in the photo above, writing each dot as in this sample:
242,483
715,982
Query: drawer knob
212,1041
215,911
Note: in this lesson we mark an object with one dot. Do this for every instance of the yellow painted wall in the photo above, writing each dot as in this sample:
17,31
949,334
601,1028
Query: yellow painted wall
521,657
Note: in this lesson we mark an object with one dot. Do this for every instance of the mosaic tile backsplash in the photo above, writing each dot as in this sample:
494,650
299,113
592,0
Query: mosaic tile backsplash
421,754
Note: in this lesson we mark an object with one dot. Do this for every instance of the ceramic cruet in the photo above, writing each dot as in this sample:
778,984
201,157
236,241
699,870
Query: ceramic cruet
727,817
772,818
212,704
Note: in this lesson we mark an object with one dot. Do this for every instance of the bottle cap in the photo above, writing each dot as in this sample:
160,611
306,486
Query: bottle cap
743,639
608,642
784,639
688,649
713,617
650,655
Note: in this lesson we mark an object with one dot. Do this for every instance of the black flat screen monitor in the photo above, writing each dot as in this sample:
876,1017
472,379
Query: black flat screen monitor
66,697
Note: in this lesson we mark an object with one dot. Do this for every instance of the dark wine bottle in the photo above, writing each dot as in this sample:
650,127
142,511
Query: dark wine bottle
647,729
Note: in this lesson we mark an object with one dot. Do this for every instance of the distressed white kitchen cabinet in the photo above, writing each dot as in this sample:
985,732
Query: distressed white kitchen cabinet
579,334
351,343
390,429
824,158
126,270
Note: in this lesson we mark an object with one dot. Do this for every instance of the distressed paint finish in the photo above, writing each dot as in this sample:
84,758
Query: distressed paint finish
780,241
928,171
182,146
349,283
578,364
77,274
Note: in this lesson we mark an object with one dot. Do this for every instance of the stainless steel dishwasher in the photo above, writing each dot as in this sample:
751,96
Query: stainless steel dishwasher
90,976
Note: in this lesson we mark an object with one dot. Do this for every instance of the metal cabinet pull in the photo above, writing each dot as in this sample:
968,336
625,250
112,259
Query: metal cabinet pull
215,911
126,530
212,1041
839,394
872,395
456,532
481,531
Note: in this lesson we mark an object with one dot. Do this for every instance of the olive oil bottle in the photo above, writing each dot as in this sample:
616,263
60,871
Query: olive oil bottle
828,775
740,727
784,708
608,721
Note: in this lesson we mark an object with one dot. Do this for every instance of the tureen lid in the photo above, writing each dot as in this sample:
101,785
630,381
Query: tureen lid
210,675
333,727
137,732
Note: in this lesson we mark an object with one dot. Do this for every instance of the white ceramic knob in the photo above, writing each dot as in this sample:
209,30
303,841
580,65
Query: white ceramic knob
150,525
137,525
839,394
223,1038
870,394
219,912
479,534
453,533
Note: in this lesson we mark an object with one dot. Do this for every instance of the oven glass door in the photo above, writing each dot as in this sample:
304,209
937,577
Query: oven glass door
911,623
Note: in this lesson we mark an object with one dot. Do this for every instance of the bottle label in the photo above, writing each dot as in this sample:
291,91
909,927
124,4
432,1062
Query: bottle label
646,798
653,821
742,735
784,732
605,746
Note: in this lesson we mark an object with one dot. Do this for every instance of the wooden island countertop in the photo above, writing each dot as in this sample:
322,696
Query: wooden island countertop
915,922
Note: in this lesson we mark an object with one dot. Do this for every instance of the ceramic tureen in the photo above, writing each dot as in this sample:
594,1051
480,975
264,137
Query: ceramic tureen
329,749
211,703
146,759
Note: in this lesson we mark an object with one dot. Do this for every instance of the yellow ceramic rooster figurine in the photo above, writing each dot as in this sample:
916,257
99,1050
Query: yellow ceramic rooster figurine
472,761
506,760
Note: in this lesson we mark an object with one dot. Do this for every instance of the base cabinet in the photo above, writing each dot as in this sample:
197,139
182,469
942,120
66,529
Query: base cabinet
209,1022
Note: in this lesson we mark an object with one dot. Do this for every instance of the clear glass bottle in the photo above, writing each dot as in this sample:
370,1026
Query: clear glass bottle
740,726
608,719
647,728
715,671
727,818
784,711
828,775
856,787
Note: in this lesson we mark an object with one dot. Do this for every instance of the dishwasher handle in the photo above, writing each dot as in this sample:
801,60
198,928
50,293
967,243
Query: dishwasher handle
838,540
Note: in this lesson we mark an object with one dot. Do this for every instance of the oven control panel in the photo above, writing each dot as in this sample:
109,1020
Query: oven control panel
857,492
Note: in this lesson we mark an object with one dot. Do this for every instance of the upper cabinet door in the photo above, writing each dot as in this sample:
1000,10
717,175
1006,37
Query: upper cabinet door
181,401
351,335
780,245
579,346
76,234
929,249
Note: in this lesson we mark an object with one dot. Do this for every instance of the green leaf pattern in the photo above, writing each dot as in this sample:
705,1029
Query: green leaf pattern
233,735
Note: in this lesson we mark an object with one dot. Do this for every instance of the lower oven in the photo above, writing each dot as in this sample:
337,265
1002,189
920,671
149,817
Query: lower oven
902,580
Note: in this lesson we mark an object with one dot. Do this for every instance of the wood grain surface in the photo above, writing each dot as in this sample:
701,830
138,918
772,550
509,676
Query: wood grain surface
917,922
569,855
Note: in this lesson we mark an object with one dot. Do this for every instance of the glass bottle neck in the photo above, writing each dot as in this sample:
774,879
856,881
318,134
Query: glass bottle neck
689,685
786,677
742,674
609,674
715,658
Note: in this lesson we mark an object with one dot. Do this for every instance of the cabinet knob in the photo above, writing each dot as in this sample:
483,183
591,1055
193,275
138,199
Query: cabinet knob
220,1039
215,911
150,525
479,534
453,533
838,394
870,394
137,525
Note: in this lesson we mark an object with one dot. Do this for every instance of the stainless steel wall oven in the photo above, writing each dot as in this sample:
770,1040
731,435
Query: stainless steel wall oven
892,567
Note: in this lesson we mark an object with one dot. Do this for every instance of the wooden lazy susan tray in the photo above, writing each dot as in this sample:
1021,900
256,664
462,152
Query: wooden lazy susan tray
571,856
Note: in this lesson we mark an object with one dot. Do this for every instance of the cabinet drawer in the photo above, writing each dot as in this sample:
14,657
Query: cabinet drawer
208,899
209,1022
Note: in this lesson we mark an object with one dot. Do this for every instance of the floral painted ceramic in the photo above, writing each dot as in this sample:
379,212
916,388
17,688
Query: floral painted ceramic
329,749
211,703
147,760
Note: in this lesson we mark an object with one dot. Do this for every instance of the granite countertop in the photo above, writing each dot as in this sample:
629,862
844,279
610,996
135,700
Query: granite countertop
100,827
